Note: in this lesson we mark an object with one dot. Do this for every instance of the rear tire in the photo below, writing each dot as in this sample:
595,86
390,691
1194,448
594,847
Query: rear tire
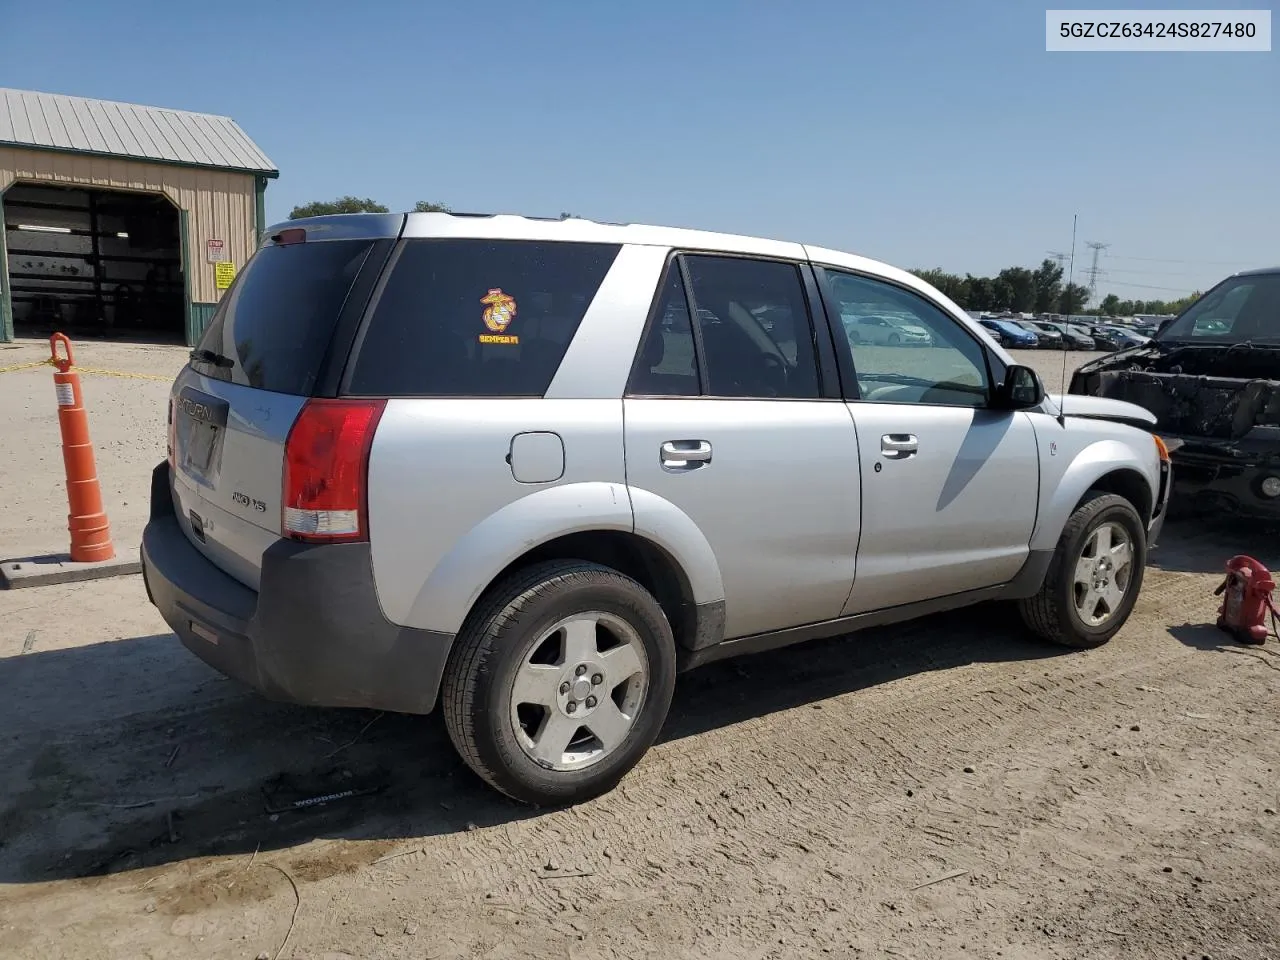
516,668
1084,602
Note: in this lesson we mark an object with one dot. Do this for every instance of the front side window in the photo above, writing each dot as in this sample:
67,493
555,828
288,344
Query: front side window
477,318
905,349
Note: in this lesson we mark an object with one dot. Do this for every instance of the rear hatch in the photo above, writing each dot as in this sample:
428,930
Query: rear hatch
278,338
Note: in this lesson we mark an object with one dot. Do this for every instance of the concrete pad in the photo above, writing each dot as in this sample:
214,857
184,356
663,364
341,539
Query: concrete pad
59,568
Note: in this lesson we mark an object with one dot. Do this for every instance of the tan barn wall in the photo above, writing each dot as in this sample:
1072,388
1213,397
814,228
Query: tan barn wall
220,205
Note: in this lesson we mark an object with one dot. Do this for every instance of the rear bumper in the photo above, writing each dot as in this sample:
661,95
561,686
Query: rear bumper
313,634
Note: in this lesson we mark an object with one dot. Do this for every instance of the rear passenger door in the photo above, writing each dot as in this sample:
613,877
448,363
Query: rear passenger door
733,415
950,485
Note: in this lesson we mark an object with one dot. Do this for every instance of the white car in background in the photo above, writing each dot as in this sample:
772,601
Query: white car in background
885,330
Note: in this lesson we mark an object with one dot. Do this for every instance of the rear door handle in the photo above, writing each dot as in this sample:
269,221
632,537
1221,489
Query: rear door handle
685,454
899,446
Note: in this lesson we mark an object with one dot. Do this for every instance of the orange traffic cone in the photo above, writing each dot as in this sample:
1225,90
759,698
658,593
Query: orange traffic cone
90,532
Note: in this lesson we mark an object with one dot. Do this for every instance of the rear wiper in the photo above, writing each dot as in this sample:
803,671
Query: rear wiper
210,357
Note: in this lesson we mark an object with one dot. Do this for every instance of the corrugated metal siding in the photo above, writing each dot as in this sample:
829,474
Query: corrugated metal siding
198,319
221,205
54,121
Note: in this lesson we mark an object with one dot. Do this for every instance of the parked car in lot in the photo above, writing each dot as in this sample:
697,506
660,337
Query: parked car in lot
1103,339
1116,338
531,470
1051,338
1211,376
1009,334
1078,337
892,331
1069,337
1045,340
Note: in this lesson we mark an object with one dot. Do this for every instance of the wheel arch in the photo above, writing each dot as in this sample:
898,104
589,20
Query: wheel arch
1112,466
633,531
644,561
1124,482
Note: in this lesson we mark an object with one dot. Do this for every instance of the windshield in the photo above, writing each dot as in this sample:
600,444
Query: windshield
1238,309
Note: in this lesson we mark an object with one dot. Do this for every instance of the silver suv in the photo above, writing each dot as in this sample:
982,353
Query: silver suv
534,469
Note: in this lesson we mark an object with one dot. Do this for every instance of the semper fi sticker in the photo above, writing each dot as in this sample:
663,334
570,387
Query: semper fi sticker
499,311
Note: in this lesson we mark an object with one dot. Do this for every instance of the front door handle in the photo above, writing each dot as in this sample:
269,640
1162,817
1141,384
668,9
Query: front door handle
899,446
685,454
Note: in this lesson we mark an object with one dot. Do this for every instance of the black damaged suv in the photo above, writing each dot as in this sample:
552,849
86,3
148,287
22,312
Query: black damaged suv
1212,377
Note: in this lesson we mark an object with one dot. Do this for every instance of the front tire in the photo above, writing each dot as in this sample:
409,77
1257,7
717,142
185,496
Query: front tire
559,682
1095,576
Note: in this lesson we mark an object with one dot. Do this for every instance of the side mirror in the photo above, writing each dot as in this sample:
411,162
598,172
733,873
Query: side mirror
1021,389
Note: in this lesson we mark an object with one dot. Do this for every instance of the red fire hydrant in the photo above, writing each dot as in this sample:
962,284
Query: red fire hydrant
1247,600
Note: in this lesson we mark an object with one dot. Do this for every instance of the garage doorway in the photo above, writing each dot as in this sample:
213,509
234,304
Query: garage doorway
97,263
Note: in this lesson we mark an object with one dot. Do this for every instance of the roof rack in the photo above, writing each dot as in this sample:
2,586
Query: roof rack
525,216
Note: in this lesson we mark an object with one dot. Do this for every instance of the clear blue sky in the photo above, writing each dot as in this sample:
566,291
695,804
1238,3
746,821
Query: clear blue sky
925,134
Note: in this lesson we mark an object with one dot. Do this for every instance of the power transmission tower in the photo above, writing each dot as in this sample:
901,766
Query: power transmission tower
1062,258
1094,272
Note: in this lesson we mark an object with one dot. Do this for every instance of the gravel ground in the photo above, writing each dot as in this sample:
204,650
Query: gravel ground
946,788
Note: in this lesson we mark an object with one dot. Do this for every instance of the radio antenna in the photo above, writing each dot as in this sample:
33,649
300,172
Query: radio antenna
1062,382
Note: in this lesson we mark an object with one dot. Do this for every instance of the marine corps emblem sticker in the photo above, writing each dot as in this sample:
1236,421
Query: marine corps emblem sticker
499,311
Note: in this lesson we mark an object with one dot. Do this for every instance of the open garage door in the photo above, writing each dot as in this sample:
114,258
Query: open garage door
94,263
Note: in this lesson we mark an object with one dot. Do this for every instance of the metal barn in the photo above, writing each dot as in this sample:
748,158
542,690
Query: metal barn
121,221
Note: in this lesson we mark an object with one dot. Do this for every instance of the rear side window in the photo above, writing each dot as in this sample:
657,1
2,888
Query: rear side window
477,318
273,326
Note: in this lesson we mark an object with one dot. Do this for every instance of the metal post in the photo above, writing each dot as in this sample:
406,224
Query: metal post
97,260
186,260
6,293
260,209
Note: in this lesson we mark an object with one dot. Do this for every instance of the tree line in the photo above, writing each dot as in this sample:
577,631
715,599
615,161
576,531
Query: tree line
1017,289
1021,290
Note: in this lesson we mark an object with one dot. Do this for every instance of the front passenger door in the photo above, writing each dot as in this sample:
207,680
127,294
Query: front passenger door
949,486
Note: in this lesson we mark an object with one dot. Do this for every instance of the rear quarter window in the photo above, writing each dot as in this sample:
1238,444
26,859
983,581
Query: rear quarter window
476,318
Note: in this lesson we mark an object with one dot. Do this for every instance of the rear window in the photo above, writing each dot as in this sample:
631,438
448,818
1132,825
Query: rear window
273,326
477,318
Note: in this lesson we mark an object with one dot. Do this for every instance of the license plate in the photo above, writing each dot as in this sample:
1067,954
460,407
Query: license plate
201,424
199,443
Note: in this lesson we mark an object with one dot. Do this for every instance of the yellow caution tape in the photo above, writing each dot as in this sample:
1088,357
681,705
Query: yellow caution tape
26,366
119,373
90,370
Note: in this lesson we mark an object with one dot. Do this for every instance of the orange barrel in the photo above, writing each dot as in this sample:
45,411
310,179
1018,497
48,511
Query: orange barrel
87,521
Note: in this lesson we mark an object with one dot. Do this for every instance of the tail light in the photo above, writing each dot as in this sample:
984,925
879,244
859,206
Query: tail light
326,471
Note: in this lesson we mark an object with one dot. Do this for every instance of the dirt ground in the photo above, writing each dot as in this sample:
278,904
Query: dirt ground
947,788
